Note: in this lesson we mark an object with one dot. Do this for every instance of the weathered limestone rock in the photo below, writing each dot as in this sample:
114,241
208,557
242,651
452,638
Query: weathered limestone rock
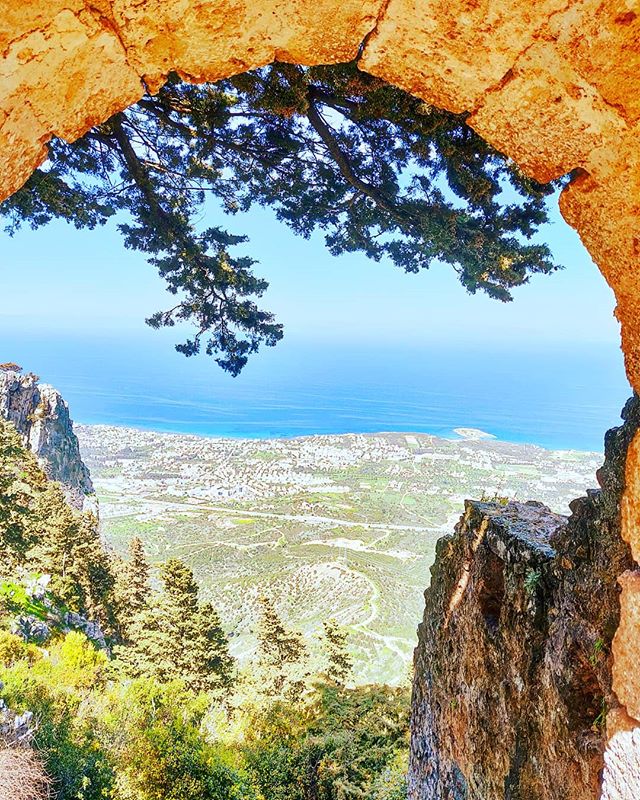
41,417
513,669
210,40
453,52
483,635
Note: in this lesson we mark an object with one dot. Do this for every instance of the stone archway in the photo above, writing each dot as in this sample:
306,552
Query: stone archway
552,84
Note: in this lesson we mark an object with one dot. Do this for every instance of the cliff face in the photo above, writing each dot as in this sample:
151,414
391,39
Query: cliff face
513,684
41,417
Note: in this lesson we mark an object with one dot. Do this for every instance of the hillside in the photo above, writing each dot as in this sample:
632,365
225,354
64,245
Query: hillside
328,526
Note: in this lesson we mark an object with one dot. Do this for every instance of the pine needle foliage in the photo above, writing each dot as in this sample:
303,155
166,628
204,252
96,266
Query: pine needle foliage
40,533
330,149
175,637
339,660
133,588
282,656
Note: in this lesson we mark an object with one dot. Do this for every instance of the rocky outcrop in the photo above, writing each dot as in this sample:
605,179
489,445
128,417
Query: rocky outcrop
513,688
15,729
41,417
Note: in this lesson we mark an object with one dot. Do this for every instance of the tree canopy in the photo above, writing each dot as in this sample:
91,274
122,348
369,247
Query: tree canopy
328,148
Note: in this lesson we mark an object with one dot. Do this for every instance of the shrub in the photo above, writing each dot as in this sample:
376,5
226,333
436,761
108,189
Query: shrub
22,775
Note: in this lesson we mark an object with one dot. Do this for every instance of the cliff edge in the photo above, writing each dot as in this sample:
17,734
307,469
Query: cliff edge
41,417
512,692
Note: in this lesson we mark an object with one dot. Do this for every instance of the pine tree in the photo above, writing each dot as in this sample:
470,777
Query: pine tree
340,662
69,548
138,574
21,479
175,637
40,532
330,149
211,649
132,584
281,656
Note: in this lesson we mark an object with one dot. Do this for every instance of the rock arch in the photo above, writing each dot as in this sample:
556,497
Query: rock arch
553,84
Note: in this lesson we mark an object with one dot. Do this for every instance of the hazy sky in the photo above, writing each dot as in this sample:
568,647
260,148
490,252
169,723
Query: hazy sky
60,280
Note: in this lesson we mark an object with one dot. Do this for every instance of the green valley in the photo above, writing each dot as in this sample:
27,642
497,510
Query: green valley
340,527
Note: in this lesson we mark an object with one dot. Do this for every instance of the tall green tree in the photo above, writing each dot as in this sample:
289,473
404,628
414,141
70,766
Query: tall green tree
281,668
138,571
41,533
175,637
329,148
70,549
20,480
133,588
339,660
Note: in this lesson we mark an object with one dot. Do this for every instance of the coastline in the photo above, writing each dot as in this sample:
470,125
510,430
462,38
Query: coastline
456,435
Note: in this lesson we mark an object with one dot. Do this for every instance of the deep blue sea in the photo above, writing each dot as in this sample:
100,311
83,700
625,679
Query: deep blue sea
552,395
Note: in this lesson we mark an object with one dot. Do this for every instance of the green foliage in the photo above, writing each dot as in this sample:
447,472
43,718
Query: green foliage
176,637
532,580
598,649
281,669
13,649
71,551
20,482
599,723
41,534
102,735
501,500
53,687
161,751
132,588
339,661
168,719
328,148
341,744
14,599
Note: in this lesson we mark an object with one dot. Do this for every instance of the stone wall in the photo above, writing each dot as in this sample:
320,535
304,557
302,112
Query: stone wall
513,670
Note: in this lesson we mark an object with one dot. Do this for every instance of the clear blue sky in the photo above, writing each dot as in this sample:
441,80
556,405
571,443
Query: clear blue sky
59,280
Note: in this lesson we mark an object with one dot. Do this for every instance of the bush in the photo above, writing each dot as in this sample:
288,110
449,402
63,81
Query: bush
346,743
55,690
160,749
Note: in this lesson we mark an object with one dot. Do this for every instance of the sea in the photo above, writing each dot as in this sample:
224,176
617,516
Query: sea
554,395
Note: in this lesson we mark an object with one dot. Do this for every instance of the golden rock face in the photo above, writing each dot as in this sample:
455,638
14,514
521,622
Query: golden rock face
553,84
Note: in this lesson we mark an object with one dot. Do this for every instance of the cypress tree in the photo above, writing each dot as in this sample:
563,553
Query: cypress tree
281,656
340,662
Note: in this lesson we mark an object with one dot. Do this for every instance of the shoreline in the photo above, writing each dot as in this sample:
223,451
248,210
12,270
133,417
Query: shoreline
453,435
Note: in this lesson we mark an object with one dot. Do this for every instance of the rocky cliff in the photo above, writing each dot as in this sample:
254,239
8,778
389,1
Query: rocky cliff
41,417
513,686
